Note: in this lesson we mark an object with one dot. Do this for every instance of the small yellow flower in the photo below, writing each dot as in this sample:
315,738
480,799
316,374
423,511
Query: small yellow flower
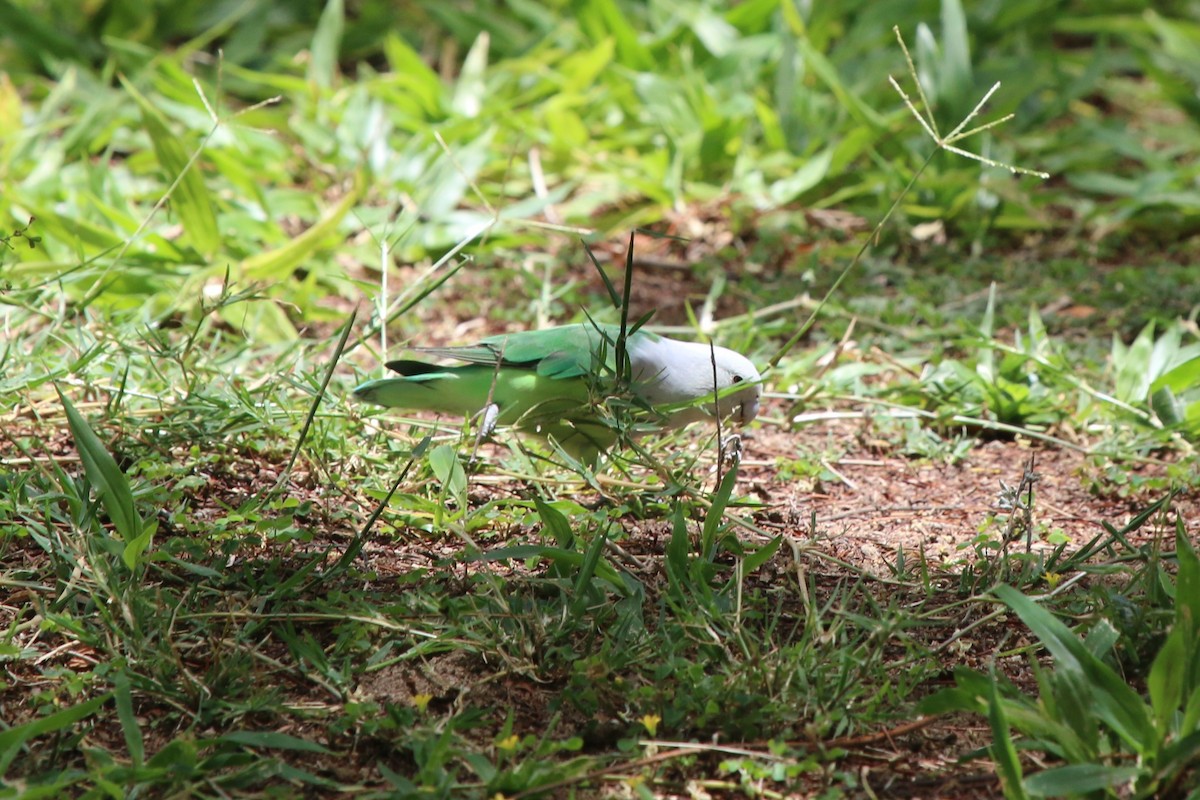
509,743
421,701
650,723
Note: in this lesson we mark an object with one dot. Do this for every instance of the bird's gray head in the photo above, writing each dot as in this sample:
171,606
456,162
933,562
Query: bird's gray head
675,372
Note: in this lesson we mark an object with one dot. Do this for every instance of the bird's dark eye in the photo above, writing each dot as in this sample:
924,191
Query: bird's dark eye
737,378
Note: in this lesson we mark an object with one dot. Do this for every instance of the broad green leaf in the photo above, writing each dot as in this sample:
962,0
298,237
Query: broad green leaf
1131,364
189,196
1180,377
403,59
410,84
1165,351
102,471
814,170
326,44
564,124
180,755
262,321
1115,701
481,765
1187,617
471,89
970,693
556,522
275,265
1191,709
769,124
762,555
134,548
713,31
558,555
274,741
448,469
1165,682
13,738
1169,409
1077,779
579,71
752,15
1101,639
1079,736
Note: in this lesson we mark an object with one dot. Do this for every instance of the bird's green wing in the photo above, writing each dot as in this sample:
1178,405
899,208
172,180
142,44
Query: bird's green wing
568,351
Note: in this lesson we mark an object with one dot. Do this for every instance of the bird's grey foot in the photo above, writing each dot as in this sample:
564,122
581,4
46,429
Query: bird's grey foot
487,424
731,450
489,415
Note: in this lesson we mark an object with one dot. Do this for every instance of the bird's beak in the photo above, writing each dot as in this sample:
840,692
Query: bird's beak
748,411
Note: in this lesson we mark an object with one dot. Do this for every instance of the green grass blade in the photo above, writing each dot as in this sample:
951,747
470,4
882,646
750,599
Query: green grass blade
985,364
1002,749
1187,585
1178,761
587,571
677,548
102,471
360,538
129,723
828,74
613,297
956,76
604,19
41,39
316,403
712,521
